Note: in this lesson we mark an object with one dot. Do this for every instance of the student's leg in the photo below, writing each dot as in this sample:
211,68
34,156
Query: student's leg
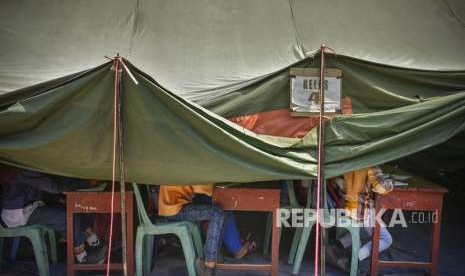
51,217
385,240
346,240
55,218
95,247
205,212
79,229
231,236
85,227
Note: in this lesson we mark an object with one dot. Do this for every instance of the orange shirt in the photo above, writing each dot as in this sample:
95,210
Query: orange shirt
171,199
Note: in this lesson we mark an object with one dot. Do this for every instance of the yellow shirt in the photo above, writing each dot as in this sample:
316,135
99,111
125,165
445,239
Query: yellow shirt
356,182
171,199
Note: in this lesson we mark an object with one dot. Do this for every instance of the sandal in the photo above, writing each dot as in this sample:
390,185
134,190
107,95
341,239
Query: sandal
248,245
250,238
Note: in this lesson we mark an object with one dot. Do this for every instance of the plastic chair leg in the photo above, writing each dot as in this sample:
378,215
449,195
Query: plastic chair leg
53,245
267,235
1,250
148,254
295,242
15,248
139,246
40,252
355,233
301,249
189,251
197,239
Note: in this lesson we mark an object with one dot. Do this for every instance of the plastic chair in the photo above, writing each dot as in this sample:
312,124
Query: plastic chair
299,243
293,203
187,232
299,230
37,235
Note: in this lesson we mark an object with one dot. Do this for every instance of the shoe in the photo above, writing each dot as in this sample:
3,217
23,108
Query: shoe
253,244
97,247
96,254
201,269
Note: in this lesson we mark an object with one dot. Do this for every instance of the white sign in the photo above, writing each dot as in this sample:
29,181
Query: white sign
305,86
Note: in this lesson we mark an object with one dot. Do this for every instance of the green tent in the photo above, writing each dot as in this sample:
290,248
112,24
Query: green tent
200,63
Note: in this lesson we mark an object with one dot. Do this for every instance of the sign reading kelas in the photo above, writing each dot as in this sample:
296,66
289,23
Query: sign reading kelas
305,87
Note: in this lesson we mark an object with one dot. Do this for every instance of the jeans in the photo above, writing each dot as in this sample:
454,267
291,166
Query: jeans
205,212
385,240
231,237
55,218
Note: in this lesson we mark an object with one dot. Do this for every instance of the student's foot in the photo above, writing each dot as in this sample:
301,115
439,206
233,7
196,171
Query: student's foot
96,247
253,245
96,254
248,246
244,250
80,254
202,269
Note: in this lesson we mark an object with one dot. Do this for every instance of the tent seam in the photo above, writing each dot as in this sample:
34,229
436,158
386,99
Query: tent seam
452,12
134,28
296,31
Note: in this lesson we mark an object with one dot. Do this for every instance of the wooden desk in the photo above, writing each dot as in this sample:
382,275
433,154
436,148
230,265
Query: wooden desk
422,198
261,200
97,202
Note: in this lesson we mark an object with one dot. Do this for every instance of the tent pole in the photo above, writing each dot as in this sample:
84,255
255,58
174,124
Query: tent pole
115,68
122,173
118,153
320,238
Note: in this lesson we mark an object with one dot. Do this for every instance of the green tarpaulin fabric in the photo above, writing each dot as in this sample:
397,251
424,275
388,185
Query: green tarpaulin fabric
363,140
372,87
402,62
66,129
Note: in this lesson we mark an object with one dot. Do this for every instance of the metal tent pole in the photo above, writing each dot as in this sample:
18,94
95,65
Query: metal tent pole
118,153
320,237
122,177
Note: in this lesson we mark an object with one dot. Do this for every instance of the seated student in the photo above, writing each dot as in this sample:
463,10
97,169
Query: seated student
175,203
22,205
359,187
231,237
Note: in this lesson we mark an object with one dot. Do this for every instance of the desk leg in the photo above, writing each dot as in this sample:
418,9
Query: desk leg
130,236
435,240
70,236
275,245
375,248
